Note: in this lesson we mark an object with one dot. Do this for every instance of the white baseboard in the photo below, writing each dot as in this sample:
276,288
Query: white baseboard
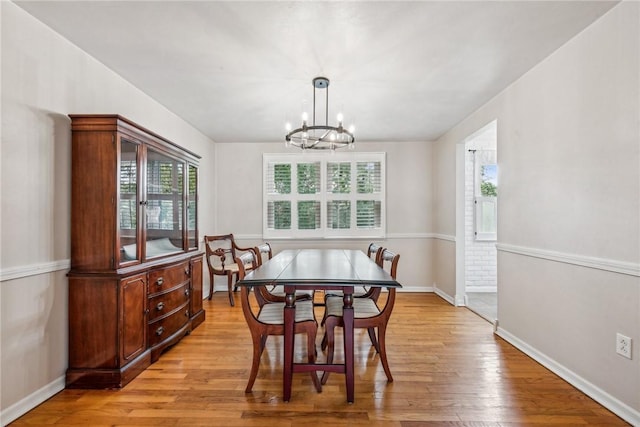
448,298
26,404
619,408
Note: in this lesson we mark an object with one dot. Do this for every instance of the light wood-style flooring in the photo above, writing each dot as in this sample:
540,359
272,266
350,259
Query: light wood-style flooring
449,370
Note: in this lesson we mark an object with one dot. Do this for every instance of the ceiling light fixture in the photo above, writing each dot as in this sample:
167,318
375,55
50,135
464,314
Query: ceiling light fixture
320,137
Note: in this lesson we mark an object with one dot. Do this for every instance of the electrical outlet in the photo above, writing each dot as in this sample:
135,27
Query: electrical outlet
623,346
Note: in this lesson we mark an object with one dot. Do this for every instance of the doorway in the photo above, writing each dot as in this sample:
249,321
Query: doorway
477,207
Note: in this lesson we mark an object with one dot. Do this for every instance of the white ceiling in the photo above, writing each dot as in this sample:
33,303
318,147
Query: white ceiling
399,71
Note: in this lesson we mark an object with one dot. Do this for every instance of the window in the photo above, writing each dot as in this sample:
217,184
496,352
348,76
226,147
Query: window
487,203
324,195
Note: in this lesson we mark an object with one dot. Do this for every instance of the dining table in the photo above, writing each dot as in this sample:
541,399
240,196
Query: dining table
325,270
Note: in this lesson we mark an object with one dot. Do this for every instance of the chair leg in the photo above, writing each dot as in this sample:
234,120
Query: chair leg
372,337
311,355
210,286
229,286
329,327
257,352
383,351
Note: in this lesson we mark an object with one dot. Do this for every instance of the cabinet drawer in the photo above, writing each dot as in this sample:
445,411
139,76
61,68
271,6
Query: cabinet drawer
161,305
163,328
166,278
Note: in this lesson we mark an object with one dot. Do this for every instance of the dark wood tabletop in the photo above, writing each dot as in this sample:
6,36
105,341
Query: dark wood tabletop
320,266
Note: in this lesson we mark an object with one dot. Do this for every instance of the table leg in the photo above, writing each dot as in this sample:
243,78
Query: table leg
289,337
347,316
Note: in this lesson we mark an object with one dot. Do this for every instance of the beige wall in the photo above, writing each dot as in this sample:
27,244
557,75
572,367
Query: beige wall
409,204
569,207
44,78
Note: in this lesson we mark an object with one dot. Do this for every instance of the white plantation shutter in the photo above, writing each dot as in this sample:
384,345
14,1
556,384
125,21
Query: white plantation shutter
322,195
369,177
308,177
278,178
339,177
309,214
339,214
279,214
368,214
369,193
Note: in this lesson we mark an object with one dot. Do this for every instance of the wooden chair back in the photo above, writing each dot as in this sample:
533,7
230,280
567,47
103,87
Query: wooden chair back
262,250
220,253
389,261
374,251
220,250
247,262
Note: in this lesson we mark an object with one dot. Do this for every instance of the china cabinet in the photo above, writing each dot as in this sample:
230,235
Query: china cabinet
135,284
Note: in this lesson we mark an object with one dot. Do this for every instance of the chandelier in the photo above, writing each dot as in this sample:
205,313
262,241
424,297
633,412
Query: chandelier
318,136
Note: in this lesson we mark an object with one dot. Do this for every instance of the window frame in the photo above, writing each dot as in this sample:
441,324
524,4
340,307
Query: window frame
323,232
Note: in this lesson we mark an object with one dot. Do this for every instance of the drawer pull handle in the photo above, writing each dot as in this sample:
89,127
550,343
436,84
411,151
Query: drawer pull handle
160,331
186,292
186,313
160,281
160,306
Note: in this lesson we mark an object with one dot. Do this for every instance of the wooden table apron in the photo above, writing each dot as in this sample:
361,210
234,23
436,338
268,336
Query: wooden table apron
319,269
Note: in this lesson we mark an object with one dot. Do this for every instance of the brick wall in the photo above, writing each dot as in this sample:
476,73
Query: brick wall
480,256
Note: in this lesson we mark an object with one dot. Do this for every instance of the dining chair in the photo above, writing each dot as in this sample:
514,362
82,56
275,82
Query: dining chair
221,251
374,251
263,250
269,320
366,314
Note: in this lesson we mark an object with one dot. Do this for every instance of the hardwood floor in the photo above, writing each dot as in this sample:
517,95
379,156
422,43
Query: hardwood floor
448,366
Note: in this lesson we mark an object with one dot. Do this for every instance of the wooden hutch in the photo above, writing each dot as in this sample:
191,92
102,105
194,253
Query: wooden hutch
135,284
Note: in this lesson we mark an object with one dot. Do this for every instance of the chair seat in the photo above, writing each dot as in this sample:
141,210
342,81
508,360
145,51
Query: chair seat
357,292
273,314
280,293
362,307
231,267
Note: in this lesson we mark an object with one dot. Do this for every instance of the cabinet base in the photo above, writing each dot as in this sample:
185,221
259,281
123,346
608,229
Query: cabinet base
197,319
107,378
169,342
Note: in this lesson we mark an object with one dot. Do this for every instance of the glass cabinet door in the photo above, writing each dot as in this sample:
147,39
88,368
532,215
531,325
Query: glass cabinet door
192,208
128,203
164,205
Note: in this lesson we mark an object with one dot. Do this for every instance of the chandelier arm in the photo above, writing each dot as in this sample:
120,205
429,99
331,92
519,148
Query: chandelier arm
324,135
